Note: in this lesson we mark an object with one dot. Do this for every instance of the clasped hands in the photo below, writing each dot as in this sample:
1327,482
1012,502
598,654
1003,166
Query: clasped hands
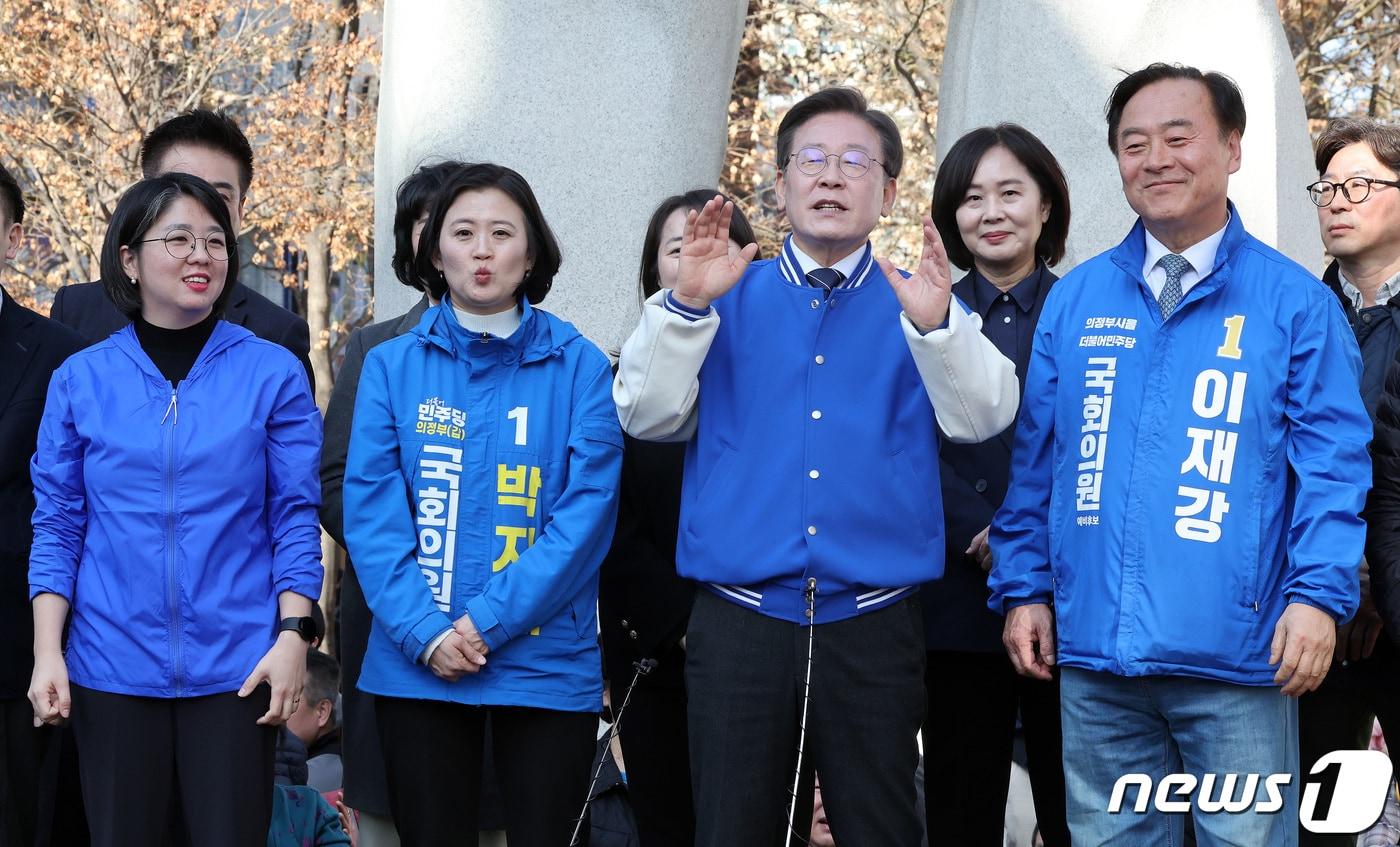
463,651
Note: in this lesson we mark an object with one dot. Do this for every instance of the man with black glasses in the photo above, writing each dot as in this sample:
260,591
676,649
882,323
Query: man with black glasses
1358,213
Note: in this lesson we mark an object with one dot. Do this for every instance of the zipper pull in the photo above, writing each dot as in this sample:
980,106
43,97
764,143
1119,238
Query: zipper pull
168,409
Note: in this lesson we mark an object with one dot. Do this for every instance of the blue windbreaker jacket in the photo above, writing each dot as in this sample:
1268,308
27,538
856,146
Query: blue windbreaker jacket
482,479
172,522
1176,484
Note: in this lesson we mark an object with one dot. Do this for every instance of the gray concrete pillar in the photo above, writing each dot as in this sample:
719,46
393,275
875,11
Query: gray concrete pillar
605,107
1050,65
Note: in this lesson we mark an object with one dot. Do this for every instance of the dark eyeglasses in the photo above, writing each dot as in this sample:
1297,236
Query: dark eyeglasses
1356,189
853,163
180,243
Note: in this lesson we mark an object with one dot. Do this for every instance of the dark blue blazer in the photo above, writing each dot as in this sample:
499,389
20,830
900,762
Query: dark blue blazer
87,310
31,349
974,479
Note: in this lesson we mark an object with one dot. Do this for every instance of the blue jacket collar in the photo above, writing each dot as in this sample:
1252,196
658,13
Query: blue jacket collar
1132,251
225,335
536,338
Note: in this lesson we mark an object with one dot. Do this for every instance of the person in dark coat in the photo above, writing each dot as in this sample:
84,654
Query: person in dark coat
1358,206
208,145
643,605
1001,204
31,348
365,787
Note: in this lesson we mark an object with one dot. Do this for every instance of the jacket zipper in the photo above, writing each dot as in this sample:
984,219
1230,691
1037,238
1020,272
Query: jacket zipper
172,586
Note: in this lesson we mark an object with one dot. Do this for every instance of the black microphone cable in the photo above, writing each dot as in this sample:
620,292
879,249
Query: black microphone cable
642,667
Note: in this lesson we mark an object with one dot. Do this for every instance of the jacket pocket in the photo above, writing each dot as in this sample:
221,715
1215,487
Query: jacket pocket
917,511
585,617
710,502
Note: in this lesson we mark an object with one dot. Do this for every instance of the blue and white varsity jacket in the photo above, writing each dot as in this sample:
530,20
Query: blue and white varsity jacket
482,479
813,429
1177,483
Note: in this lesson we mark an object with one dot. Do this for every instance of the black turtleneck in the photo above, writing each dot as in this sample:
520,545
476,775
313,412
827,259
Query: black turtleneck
174,350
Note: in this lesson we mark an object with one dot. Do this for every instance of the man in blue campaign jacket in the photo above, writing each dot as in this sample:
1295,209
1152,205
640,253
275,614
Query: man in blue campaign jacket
812,393
478,466
1190,464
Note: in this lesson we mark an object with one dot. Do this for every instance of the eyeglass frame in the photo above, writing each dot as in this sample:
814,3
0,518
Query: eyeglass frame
195,241
1371,182
826,161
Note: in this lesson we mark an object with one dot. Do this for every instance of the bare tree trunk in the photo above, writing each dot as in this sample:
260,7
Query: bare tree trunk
318,313
318,308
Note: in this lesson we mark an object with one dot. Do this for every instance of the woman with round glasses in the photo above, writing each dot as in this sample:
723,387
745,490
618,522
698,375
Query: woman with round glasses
1001,204
480,498
175,520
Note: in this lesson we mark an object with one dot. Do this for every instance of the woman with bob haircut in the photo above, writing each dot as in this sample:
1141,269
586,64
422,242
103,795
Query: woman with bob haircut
365,788
1001,205
176,520
644,605
480,498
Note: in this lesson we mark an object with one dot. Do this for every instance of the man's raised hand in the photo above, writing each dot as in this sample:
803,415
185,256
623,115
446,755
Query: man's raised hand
925,295
707,270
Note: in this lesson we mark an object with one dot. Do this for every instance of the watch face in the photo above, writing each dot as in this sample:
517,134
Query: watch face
304,627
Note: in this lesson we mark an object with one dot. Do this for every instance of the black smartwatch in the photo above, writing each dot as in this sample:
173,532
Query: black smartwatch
305,627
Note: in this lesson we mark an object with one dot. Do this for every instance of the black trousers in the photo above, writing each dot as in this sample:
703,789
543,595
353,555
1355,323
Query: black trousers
1337,716
140,753
655,747
21,759
744,678
973,700
433,752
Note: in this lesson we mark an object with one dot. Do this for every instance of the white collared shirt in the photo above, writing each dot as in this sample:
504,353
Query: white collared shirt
846,266
1388,289
1201,256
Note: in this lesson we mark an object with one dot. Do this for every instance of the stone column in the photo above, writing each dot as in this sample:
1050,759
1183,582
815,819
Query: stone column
1050,65
603,107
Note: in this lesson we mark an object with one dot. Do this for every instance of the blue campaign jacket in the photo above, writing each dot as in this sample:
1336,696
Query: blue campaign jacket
171,522
482,479
1175,484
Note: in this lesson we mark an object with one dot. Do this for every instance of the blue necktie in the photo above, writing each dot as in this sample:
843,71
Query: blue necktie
825,278
1175,266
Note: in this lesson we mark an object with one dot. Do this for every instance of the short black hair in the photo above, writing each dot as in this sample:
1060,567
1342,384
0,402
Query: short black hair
544,254
957,169
322,678
201,128
849,100
11,198
739,231
1225,97
415,194
1382,138
136,213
